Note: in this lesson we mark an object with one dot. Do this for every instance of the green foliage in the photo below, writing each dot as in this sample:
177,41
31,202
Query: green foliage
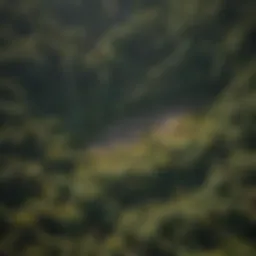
189,191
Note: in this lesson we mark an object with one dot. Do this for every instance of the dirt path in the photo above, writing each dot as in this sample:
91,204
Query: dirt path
130,129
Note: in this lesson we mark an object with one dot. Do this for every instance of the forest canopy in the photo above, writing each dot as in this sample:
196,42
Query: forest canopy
98,68
182,72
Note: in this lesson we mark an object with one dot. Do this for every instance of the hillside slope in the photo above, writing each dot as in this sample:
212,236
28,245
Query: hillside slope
164,195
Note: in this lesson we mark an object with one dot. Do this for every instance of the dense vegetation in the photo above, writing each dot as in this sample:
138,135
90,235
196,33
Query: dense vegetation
66,74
